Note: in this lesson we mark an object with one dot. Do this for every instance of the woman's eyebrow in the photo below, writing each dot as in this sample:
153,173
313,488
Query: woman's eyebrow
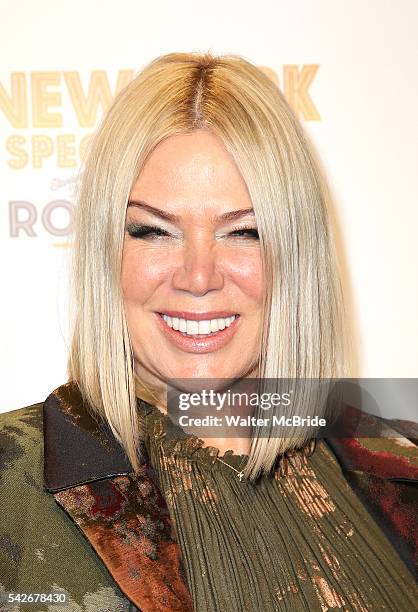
228,216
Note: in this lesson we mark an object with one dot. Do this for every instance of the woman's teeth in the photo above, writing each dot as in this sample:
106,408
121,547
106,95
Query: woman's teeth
193,328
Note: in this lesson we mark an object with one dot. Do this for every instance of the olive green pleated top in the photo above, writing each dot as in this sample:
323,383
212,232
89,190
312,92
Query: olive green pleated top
300,540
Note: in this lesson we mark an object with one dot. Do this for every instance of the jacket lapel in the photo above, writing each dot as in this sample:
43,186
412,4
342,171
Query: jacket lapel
381,466
372,446
122,514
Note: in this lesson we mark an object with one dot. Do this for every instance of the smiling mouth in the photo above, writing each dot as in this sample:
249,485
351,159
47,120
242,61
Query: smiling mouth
198,329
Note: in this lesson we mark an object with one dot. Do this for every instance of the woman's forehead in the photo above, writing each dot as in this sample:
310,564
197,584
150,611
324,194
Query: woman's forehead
186,155
191,169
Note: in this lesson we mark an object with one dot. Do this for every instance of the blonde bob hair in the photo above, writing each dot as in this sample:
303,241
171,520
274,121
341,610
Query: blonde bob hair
302,333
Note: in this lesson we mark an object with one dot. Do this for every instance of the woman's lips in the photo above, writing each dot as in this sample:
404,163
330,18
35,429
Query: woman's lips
199,344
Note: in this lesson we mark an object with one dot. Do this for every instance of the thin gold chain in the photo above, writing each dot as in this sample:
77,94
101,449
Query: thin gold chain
240,473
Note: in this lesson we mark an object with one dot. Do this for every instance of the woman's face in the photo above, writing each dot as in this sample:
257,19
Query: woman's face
192,271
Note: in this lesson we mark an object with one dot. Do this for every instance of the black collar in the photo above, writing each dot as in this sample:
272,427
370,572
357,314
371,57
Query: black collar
78,447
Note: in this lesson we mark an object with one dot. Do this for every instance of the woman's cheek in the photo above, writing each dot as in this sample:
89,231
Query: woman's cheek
143,270
246,271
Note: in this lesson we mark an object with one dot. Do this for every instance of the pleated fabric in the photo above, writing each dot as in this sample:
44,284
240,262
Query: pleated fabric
299,540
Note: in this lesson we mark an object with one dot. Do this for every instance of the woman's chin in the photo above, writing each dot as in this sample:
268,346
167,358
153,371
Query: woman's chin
195,379
198,384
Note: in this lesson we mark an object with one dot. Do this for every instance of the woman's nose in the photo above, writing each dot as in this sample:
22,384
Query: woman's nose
197,270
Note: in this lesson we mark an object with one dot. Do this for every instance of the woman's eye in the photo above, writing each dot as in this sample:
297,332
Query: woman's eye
138,230
246,232
143,231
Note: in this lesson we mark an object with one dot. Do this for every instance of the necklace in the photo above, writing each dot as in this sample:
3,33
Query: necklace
240,473
297,457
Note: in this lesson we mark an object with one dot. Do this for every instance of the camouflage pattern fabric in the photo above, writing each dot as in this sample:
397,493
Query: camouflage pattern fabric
41,550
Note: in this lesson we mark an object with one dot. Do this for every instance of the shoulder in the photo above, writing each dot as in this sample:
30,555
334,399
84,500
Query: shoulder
29,419
22,430
22,440
21,434
367,443
21,417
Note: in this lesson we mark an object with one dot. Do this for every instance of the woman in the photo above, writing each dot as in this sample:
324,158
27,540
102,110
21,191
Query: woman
202,251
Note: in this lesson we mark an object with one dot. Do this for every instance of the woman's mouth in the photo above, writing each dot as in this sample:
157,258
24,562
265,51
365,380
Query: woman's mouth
199,335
